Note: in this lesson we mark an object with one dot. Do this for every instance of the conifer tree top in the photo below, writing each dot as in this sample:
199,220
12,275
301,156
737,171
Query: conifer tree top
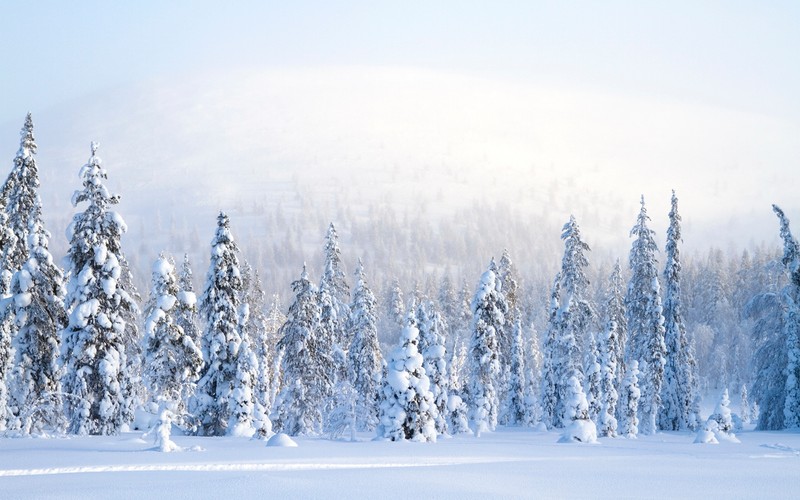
27,143
92,175
791,249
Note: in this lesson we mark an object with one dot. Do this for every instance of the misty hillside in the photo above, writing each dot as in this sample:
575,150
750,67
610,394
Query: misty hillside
402,163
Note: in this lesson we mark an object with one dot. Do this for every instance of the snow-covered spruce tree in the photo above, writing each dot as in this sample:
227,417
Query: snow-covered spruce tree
133,389
95,341
306,381
186,307
274,322
173,361
365,360
395,304
594,395
22,196
551,359
722,413
346,411
574,316
744,405
765,310
791,322
7,326
408,411
515,407
509,287
646,320
431,345
219,305
448,304
334,297
255,330
630,400
677,395
246,414
488,309
610,355
533,380
38,291
615,311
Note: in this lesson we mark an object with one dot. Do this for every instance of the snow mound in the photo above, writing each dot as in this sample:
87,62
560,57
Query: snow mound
540,427
713,433
281,440
580,431
705,437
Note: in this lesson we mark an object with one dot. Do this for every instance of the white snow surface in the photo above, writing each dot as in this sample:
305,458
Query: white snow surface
509,463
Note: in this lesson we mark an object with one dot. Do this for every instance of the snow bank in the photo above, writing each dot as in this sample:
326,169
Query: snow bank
281,440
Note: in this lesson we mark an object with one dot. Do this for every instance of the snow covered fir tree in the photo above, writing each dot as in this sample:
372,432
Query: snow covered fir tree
172,358
306,379
219,305
489,309
94,346
408,410
365,360
646,320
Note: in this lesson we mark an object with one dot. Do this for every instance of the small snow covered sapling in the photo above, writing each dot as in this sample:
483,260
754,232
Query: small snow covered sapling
162,432
719,425
581,429
457,422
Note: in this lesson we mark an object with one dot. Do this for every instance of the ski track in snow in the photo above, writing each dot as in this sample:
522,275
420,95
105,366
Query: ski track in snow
241,467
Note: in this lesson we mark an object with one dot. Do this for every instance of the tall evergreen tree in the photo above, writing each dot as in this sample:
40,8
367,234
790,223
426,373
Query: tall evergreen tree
22,196
431,345
676,412
172,358
509,287
38,290
791,323
551,360
255,330
274,321
7,327
611,355
219,305
395,305
766,312
364,356
246,413
334,305
574,316
516,407
306,381
99,300
489,310
186,308
646,320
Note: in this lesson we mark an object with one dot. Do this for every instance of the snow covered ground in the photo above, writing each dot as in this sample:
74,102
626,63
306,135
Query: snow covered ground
509,463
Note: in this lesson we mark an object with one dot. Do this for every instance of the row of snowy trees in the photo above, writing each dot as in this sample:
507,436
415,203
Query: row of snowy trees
636,367
74,358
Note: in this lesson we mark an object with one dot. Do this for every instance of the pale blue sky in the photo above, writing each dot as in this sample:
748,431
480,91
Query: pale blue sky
727,53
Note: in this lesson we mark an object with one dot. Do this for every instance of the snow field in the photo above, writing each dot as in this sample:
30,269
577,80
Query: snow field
509,463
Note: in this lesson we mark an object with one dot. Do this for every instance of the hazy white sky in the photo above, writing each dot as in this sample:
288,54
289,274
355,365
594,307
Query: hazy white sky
728,53
617,87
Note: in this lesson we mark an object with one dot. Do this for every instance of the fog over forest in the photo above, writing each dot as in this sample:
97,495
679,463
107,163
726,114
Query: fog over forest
425,175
